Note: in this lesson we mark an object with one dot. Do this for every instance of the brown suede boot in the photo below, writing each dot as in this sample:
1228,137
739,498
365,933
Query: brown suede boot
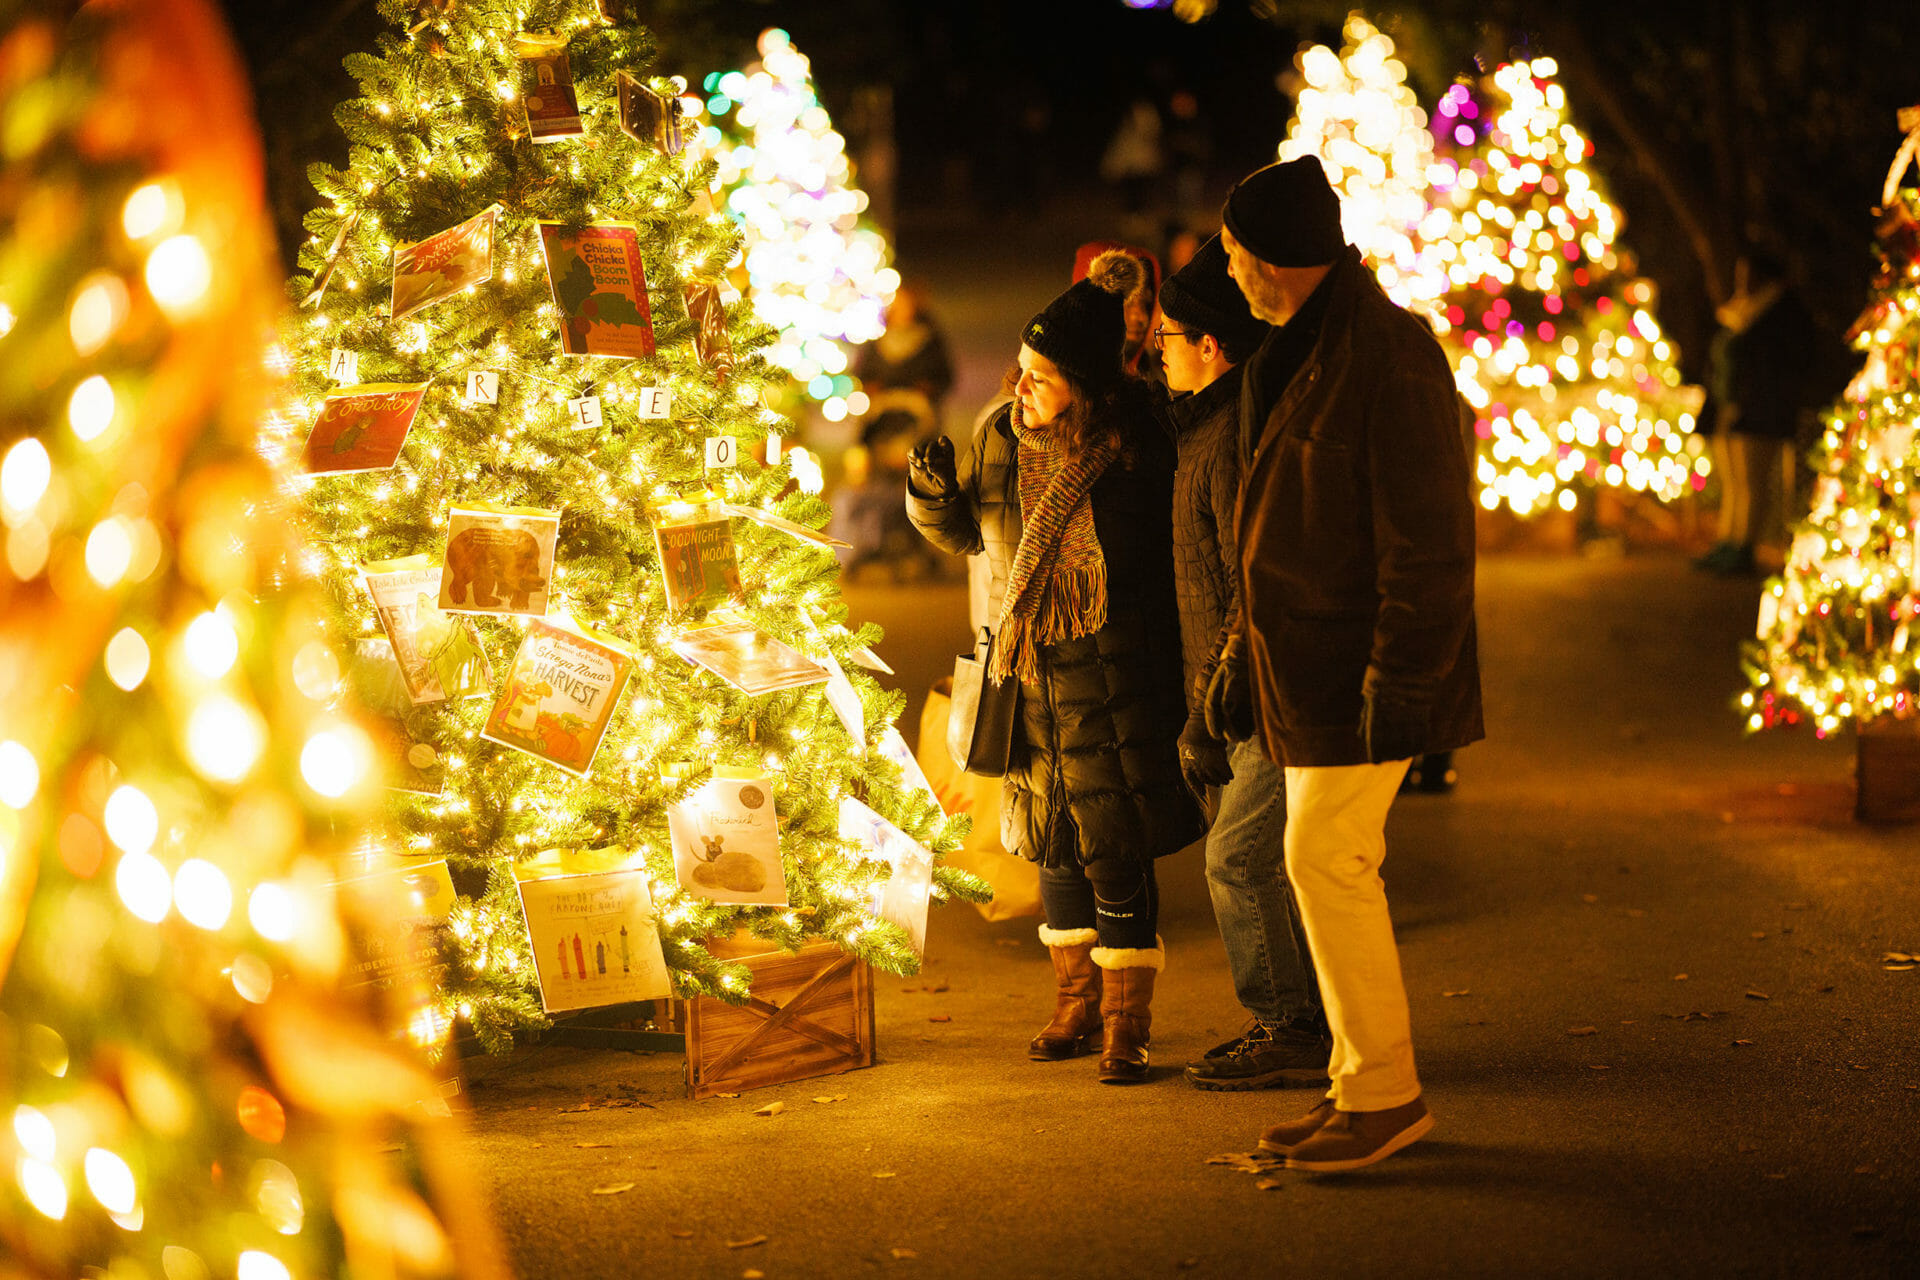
1126,1010
1075,1028
1356,1139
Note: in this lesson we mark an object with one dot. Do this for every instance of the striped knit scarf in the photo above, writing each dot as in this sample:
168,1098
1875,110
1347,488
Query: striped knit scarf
1057,589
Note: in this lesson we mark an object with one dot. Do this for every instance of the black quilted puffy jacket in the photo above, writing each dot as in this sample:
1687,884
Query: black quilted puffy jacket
1095,772
1206,565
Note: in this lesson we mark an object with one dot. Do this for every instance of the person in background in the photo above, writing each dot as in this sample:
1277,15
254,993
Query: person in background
1136,355
908,368
1206,333
1134,163
1766,373
1356,647
1069,493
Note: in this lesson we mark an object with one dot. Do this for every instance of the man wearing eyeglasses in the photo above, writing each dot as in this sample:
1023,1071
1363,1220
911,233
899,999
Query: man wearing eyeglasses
1206,332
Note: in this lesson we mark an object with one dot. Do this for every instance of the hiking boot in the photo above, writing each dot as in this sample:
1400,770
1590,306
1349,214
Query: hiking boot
1266,1057
1356,1139
1282,1138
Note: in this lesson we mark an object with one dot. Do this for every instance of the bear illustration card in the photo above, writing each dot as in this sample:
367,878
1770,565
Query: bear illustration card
439,655
903,897
444,263
726,840
560,695
600,287
595,940
699,564
498,559
363,429
552,108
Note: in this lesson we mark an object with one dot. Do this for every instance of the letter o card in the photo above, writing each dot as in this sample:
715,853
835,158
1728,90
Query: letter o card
721,453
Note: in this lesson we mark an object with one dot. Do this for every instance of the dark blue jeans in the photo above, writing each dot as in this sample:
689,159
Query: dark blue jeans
1119,900
1252,899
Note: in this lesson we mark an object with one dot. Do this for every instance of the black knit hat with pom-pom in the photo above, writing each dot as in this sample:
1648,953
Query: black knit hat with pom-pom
1084,329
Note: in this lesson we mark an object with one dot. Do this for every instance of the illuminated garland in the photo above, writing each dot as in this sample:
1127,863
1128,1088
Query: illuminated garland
816,269
439,137
1836,642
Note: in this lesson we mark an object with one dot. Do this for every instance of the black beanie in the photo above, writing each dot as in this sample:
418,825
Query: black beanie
1202,297
1084,329
1286,214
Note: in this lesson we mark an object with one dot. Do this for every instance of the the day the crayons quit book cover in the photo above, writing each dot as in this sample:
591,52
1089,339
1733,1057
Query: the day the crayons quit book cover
560,695
600,287
363,429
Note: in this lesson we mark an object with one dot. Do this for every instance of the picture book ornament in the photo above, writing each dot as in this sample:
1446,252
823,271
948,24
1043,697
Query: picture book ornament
552,109
649,117
699,563
594,938
560,695
363,429
498,559
443,264
600,287
748,659
904,896
439,655
726,840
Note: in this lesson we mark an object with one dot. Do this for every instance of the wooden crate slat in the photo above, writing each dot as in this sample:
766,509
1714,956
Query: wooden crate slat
810,1014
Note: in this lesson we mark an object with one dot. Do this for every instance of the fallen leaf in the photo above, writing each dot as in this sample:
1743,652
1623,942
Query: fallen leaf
753,1273
680,1233
1583,1031
1746,1148
1777,1177
726,1095
1627,1022
613,1188
1456,994
1006,942
1757,995
1865,1168
1476,1022
1896,968
1589,897
1740,1042
1694,1015
1635,913
585,1145
1859,1066
913,990
883,1175
1187,1264
1598,1066
748,1243
1795,906
1681,977
939,1017
831,1097
903,1253
1758,934
1268,1184
1900,957
944,986
771,1109
1823,990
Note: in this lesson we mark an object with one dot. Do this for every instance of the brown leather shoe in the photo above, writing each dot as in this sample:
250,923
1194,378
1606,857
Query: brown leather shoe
1356,1139
1282,1138
1126,1011
1075,1029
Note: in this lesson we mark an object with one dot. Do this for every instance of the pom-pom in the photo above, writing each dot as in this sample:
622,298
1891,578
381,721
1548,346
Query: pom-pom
1118,272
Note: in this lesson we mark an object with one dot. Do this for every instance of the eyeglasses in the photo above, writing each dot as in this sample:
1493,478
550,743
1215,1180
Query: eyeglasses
1159,336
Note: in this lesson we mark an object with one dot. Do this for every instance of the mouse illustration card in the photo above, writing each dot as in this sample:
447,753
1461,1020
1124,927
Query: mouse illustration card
498,559
726,840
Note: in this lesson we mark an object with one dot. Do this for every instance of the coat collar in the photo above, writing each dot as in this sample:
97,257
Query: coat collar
1185,412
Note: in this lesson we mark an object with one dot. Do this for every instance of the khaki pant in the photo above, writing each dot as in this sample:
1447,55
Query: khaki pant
1336,839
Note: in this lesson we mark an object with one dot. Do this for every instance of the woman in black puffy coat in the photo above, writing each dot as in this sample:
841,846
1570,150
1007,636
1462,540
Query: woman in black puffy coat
1068,492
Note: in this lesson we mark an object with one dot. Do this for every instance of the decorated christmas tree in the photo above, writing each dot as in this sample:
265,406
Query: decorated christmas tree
608,641
814,267
190,1080
1836,642
1355,110
1553,338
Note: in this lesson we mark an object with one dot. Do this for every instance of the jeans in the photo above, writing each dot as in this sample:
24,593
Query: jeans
1119,900
1336,840
1267,950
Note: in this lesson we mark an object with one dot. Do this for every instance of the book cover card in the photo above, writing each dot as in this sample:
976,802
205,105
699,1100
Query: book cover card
404,905
904,896
551,106
748,659
845,701
444,263
439,655
560,695
498,559
595,939
649,117
793,529
699,563
363,429
893,746
711,341
600,288
726,840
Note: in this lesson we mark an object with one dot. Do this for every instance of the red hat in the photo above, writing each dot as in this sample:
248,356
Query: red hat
1083,258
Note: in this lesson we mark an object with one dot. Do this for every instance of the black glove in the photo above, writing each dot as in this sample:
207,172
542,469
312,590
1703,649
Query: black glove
930,471
1229,705
1394,728
1203,758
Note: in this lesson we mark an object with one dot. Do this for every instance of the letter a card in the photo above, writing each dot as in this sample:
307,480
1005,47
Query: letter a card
560,694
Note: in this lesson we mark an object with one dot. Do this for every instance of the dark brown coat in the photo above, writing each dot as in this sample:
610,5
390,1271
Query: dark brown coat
1356,535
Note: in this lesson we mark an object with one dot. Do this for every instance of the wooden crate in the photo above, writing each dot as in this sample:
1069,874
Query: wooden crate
1887,771
810,1014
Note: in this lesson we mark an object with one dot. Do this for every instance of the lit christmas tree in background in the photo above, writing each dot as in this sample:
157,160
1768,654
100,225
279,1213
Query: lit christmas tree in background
190,1084
815,269
516,192
1555,343
1836,642
1357,113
